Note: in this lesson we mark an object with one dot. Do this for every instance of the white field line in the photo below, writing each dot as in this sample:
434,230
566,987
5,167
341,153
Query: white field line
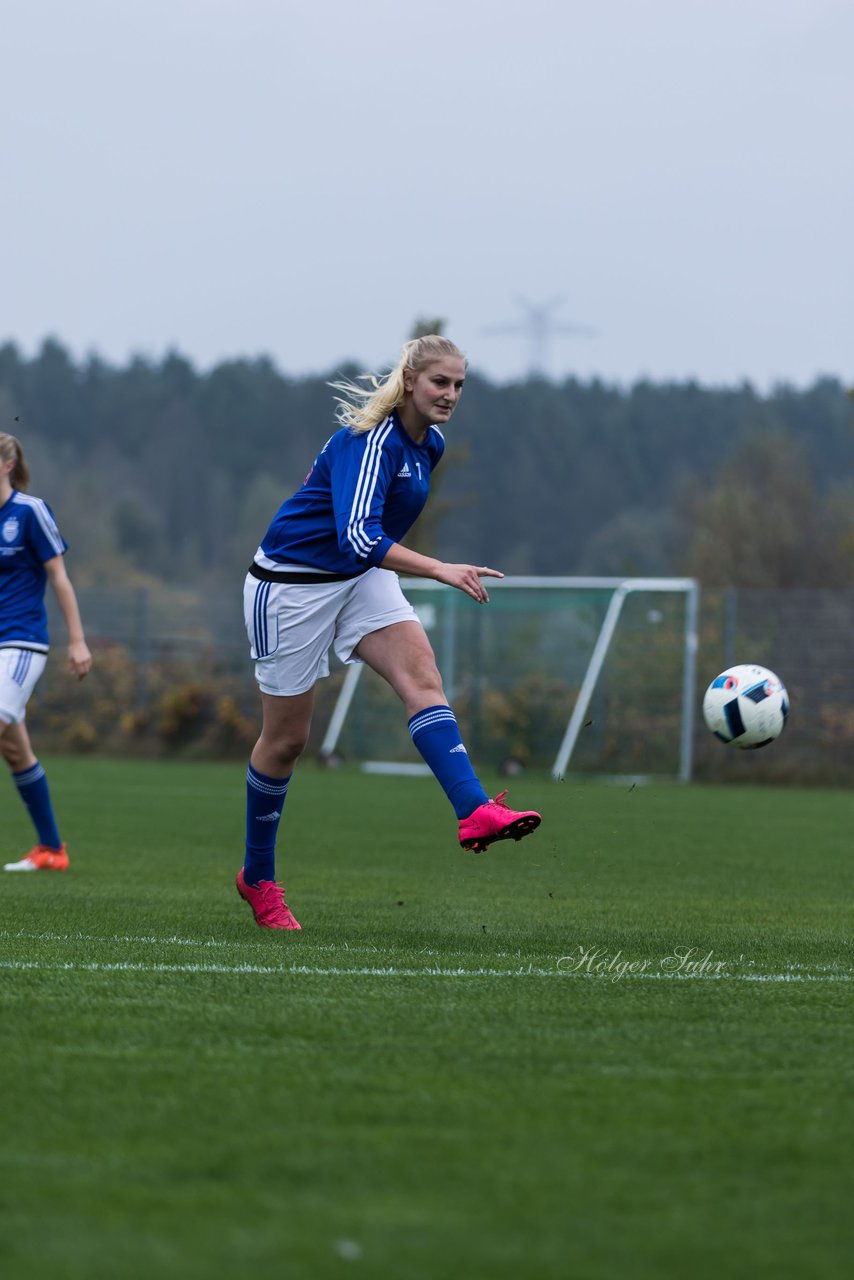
793,972
393,971
345,948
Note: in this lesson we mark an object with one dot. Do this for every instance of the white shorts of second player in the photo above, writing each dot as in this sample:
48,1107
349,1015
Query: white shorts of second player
19,673
291,627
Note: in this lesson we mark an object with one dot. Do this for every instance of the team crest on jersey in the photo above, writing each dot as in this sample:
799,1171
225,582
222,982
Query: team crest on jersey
11,529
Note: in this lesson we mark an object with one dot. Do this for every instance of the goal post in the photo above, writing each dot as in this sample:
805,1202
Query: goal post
548,659
686,586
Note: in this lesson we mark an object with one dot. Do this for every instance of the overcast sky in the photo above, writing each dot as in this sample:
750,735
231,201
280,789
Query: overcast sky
245,177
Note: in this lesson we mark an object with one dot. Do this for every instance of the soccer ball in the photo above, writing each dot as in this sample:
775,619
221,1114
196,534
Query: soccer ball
746,706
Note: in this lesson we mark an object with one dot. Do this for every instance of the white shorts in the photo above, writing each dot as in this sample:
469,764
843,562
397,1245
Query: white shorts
19,673
292,627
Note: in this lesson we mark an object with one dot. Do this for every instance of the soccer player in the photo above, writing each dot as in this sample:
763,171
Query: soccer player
325,575
31,555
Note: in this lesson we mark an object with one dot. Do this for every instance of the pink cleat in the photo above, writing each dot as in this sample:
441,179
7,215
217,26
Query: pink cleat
493,821
267,901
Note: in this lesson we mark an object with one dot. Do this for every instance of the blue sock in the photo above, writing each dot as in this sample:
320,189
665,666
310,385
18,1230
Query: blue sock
35,793
265,799
434,732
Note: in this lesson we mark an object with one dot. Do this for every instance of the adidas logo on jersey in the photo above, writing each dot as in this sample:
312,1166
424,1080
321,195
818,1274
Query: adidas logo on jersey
459,748
404,473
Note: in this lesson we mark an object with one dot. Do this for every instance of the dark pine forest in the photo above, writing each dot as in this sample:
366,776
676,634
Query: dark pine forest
161,472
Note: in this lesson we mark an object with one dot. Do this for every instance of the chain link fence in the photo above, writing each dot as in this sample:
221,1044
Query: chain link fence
172,675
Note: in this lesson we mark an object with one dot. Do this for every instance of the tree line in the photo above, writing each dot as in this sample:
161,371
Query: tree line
161,472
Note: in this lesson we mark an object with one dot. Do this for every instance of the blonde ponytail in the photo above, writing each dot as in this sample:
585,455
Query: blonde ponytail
11,451
363,408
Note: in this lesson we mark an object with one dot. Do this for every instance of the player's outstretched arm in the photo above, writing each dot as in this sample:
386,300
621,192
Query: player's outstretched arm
79,657
465,577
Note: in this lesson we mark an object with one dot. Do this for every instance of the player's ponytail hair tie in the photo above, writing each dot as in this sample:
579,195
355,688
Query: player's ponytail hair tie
11,451
361,408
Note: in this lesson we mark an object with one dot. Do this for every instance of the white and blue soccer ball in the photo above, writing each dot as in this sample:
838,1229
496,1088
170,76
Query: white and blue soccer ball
746,706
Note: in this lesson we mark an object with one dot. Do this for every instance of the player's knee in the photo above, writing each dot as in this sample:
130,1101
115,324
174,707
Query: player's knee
426,682
428,673
11,751
289,746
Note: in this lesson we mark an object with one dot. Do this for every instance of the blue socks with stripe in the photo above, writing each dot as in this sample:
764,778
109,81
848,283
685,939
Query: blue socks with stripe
265,799
35,793
434,732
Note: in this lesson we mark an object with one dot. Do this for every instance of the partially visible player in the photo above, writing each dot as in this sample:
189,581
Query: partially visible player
31,555
325,575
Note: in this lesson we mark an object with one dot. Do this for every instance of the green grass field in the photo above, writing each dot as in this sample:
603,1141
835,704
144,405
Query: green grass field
621,1048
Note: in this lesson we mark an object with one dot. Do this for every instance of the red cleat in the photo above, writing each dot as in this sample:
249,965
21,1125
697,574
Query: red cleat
267,901
41,858
493,821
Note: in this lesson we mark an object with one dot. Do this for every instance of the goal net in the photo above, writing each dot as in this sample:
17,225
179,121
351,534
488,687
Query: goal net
573,675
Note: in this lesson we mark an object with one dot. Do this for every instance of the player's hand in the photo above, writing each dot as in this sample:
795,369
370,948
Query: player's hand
467,578
79,659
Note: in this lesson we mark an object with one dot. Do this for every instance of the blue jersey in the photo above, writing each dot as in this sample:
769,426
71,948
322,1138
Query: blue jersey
364,492
28,538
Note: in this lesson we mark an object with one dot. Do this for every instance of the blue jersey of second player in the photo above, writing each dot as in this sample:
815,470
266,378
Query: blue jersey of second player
28,538
364,492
